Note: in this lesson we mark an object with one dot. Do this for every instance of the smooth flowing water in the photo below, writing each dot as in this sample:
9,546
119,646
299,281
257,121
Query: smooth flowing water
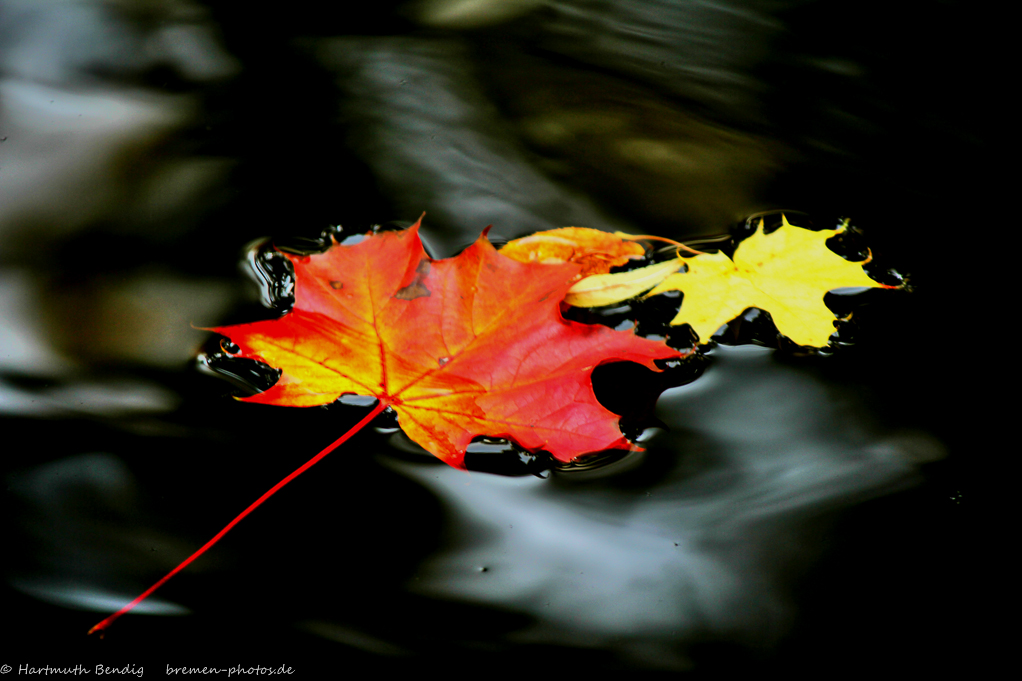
793,512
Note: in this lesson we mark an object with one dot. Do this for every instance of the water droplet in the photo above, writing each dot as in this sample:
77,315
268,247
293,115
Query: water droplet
504,457
229,347
353,400
305,246
597,461
849,244
606,316
336,285
391,226
248,375
272,273
443,360
353,239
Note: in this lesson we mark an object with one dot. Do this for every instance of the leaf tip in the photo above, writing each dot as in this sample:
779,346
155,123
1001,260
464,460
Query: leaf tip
414,229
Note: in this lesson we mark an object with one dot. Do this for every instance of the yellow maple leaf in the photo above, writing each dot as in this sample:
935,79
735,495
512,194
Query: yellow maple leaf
786,273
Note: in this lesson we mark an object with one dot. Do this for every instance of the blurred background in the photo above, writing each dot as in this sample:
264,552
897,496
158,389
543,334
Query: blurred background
795,513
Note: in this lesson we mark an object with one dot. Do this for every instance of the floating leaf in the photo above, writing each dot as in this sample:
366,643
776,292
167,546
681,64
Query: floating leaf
467,346
787,273
476,344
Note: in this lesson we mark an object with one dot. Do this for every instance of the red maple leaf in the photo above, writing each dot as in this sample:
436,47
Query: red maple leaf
467,346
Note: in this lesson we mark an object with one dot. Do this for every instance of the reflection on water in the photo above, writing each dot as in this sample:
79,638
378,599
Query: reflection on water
144,144
700,548
77,513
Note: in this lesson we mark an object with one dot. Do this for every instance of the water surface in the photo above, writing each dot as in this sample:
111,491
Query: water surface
794,511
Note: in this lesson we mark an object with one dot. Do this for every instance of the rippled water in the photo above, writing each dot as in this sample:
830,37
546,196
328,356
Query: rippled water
793,513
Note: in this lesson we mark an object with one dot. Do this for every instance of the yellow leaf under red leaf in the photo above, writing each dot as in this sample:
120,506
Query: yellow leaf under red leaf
597,252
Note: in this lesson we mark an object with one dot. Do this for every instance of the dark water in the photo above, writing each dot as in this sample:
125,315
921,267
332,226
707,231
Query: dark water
798,514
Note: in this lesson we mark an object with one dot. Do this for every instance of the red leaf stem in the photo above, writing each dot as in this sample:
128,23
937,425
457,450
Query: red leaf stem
380,406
